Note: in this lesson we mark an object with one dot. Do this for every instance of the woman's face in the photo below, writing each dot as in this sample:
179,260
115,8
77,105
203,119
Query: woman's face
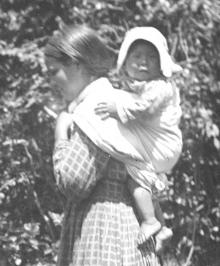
71,79
143,62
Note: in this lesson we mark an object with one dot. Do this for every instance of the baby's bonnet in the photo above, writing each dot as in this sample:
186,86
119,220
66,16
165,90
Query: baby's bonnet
154,36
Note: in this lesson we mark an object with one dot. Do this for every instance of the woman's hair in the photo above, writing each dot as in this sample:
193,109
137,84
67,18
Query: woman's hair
80,44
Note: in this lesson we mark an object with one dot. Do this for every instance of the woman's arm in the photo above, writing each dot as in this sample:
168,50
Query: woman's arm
63,124
78,164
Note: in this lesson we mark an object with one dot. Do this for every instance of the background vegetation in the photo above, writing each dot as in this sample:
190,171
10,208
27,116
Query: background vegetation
30,205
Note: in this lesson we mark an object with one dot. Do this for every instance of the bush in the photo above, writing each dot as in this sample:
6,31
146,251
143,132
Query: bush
30,203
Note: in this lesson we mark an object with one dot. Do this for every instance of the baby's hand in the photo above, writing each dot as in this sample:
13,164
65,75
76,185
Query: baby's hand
106,110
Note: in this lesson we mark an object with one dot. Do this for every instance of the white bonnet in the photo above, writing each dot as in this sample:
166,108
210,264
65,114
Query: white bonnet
155,37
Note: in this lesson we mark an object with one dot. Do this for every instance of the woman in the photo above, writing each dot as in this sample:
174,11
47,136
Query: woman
100,226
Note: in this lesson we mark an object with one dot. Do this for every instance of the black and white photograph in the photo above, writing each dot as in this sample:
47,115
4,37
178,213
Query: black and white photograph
110,133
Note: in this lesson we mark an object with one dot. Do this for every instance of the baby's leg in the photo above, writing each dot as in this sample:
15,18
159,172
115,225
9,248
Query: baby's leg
149,223
165,233
158,211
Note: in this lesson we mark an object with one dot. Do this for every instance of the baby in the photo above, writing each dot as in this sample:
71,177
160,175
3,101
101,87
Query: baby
139,123
152,116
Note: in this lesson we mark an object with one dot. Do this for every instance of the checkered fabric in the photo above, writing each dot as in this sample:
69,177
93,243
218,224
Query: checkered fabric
102,229
78,164
106,227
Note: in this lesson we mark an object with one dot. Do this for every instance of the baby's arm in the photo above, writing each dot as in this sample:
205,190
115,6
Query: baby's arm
149,103
127,106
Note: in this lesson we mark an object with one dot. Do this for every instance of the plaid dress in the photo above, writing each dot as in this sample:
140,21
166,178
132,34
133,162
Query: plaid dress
100,227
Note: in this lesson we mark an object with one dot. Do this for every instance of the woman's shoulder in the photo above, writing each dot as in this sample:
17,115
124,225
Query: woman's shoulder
100,82
99,86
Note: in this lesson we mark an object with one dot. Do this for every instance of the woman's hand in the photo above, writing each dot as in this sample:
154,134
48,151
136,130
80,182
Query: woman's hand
106,110
64,121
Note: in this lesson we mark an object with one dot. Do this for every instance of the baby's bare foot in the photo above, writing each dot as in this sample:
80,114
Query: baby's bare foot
147,230
162,237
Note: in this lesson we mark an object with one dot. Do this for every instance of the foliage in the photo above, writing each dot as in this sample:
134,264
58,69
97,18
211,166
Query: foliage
30,204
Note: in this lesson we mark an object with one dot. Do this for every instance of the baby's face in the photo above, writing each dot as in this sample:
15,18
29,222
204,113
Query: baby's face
143,62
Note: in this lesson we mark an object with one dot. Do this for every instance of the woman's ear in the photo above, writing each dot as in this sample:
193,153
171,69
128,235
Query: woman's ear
81,68
77,64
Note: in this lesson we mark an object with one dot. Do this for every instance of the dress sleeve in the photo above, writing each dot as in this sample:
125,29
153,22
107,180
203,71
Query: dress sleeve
78,164
152,100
